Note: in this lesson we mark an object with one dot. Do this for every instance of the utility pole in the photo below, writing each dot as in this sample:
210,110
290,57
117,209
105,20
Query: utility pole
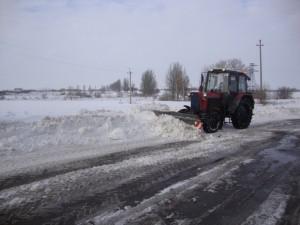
176,88
130,89
252,70
260,64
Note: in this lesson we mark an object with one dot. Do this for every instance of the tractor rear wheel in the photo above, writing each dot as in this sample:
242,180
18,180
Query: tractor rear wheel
242,116
213,123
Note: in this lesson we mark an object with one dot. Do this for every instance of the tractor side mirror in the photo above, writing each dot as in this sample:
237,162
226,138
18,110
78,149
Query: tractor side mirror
201,85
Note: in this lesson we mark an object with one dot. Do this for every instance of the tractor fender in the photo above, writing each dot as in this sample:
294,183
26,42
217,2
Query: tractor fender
241,98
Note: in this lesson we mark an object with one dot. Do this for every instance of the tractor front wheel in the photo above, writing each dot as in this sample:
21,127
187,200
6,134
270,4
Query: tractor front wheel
213,123
241,118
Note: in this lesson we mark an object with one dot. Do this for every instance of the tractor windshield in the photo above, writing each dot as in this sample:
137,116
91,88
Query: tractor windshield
217,82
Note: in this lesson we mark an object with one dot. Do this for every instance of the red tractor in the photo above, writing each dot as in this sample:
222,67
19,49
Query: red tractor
223,94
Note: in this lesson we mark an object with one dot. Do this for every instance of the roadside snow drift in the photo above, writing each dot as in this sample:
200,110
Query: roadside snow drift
68,130
276,110
91,128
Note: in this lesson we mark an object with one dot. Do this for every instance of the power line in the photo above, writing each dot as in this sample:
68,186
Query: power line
26,52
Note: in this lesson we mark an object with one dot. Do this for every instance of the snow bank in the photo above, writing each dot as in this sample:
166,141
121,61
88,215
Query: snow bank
34,110
92,128
276,110
103,126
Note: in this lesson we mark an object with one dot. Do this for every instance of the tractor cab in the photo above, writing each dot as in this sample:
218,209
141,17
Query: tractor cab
223,94
226,81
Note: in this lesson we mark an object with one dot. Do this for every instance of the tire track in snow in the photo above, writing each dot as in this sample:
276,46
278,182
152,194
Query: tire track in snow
129,193
33,174
167,171
292,212
228,200
231,201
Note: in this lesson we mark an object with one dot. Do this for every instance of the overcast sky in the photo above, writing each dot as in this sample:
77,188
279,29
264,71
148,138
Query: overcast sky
62,43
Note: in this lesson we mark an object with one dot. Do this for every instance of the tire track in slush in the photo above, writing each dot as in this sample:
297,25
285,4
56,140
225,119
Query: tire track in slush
39,174
119,197
145,186
35,174
132,192
236,197
231,201
292,212
169,172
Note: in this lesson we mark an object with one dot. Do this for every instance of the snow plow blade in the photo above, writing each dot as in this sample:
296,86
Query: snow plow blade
188,118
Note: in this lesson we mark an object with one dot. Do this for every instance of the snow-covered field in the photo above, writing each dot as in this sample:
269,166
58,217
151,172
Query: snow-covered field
43,131
35,110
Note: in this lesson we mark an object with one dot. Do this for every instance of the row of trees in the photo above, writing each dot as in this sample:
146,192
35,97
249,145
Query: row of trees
285,92
177,80
119,86
177,83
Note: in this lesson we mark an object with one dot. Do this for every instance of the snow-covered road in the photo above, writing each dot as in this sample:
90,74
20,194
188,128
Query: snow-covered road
127,166
253,181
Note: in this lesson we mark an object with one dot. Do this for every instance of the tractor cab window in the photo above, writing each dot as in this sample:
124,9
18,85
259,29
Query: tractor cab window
242,84
217,82
233,84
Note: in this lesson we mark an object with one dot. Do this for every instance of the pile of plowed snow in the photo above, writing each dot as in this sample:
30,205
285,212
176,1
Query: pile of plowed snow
91,128
276,110
63,127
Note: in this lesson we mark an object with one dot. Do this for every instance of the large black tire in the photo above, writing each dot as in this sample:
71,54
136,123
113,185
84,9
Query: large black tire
242,116
213,123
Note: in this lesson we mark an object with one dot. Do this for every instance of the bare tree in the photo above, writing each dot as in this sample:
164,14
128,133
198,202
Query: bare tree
177,81
231,64
148,83
103,89
90,90
285,92
116,86
125,85
262,95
